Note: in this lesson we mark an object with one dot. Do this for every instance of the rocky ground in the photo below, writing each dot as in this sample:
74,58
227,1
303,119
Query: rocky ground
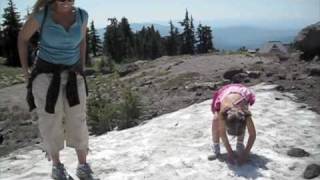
171,83
175,146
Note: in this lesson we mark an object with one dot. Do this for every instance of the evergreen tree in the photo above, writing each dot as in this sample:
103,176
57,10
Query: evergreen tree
192,37
127,38
148,43
172,43
95,46
139,43
1,42
11,27
188,37
88,39
112,42
204,39
155,44
208,38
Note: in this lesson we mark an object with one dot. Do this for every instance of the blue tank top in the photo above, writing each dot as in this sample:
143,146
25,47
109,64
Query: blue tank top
57,45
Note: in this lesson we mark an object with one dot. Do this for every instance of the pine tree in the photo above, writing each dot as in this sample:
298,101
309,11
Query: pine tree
1,42
172,43
200,43
88,60
204,39
113,41
192,38
188,37
208,38
127,38
95,46
139,43
155,43
11,27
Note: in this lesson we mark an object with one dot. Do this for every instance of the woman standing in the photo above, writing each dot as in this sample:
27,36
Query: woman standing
56,85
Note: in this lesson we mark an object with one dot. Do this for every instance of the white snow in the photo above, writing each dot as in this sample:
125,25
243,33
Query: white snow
175,146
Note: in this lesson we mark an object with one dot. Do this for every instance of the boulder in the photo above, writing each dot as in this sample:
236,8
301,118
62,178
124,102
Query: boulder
127,68
297,152
1,139
106,70
239,78
312,171
254,74
314,70
89,72
280,88
232,72
308,41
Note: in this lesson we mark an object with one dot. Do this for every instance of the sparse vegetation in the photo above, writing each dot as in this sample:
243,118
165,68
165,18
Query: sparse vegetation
180,80
10,76
112,105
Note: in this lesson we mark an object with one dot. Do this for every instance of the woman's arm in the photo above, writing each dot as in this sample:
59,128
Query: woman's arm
83,46
28,29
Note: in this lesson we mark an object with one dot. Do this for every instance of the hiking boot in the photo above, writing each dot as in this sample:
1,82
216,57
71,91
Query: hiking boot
84,172
59,172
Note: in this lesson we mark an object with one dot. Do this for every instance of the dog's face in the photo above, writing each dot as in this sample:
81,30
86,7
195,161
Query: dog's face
235,120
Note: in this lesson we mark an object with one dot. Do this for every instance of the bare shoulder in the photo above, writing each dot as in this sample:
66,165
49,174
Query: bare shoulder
29,28
31,23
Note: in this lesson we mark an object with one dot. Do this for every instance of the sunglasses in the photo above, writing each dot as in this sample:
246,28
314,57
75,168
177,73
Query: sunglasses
65,0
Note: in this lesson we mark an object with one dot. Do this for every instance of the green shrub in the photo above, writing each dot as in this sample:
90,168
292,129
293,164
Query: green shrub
130,108
112,105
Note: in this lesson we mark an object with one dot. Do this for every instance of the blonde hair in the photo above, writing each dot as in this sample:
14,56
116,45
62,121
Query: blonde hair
40,4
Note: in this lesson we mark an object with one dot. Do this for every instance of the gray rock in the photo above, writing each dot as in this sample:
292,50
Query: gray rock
106,70
312,171
89,72
269,74
314,70
127,68
1,139
254,74
239,78
297,152
282,77
280,88
25,123
308,41
232,72
146,83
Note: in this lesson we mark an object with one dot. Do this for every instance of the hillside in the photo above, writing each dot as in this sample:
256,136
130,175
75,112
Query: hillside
175,146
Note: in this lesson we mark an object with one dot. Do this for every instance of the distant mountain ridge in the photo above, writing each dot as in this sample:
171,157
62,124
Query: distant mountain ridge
233,37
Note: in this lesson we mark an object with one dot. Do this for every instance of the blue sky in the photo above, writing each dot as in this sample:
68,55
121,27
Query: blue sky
220,12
